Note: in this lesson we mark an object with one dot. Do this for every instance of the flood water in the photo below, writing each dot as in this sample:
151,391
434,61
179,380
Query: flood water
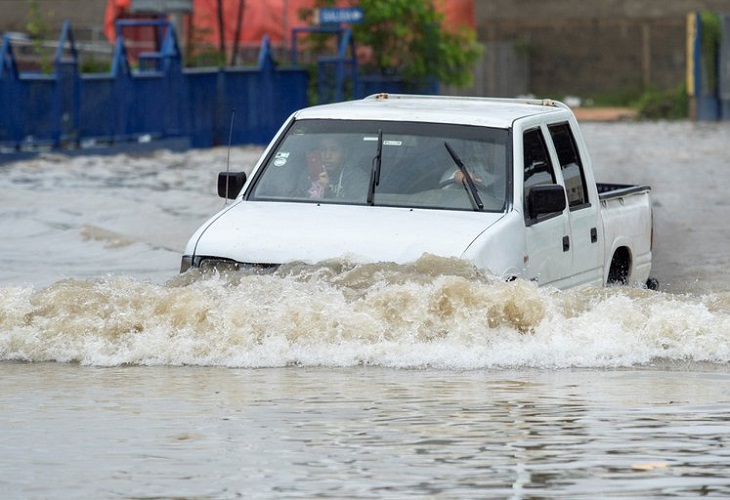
121,379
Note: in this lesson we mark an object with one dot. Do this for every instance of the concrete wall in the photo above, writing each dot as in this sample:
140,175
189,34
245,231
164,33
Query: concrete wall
595,47
558,10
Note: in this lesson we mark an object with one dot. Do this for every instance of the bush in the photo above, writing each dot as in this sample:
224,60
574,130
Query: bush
664,104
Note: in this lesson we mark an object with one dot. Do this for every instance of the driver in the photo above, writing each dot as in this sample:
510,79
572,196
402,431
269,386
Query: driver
338,176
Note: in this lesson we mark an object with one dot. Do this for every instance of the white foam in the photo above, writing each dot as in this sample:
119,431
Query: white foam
398,319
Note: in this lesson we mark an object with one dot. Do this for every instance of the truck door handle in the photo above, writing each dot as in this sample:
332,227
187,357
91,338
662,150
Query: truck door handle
566,243
594,235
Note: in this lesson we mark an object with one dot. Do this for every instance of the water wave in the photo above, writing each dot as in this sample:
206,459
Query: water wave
435,313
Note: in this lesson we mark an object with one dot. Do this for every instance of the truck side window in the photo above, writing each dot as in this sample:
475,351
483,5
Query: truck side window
538,168
570,164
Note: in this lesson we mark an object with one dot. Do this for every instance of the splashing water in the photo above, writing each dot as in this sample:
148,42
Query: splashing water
435,313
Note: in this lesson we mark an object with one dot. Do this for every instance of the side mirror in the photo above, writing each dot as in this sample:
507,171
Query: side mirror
545,199
230,184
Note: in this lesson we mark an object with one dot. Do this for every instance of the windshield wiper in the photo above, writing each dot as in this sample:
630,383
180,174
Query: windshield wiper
472,188
375,170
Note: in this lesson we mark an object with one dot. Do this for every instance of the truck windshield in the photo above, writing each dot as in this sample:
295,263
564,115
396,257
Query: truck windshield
419,165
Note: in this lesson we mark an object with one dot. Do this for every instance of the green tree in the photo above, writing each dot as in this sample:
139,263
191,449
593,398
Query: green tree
407,39
38,30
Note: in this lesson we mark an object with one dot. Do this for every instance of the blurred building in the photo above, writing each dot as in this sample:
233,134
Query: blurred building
584,47
551,48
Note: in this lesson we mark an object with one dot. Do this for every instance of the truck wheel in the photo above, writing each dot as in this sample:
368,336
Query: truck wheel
618,273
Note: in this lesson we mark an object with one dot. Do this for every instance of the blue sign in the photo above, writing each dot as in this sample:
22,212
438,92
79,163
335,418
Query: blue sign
332,15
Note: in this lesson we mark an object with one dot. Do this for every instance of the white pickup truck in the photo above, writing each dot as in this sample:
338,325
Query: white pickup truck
505,184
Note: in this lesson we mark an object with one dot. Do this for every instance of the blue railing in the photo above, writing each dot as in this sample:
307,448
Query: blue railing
161,99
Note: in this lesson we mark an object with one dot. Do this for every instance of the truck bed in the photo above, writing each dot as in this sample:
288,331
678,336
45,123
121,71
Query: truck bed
607,191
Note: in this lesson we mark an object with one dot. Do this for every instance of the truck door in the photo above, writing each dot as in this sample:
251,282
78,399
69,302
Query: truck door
549,251
584,216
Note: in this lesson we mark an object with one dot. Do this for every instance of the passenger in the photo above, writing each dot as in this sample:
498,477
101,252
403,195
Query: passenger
338,176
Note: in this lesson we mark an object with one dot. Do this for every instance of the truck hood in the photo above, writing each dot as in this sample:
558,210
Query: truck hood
275,233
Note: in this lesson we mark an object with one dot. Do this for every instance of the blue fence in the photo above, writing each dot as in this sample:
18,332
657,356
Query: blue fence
708,71
160,99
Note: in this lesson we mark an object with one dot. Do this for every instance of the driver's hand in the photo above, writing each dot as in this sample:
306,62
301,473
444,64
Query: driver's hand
324,179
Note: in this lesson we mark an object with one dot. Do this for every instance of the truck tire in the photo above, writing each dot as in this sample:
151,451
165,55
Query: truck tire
618,273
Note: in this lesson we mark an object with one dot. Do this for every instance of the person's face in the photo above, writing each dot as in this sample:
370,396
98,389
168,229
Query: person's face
332,154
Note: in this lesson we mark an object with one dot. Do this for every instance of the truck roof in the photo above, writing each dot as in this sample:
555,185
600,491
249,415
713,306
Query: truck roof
482,111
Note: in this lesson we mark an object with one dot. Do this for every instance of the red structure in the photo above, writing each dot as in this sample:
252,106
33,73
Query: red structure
274,18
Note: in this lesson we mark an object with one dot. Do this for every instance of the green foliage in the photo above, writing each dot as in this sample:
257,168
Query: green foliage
711,33
649,103
36,25
670,104
38,31
628,95
93,65
206,58
406,39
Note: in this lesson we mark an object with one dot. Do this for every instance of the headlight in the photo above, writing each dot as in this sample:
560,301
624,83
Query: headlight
220,265
208,264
